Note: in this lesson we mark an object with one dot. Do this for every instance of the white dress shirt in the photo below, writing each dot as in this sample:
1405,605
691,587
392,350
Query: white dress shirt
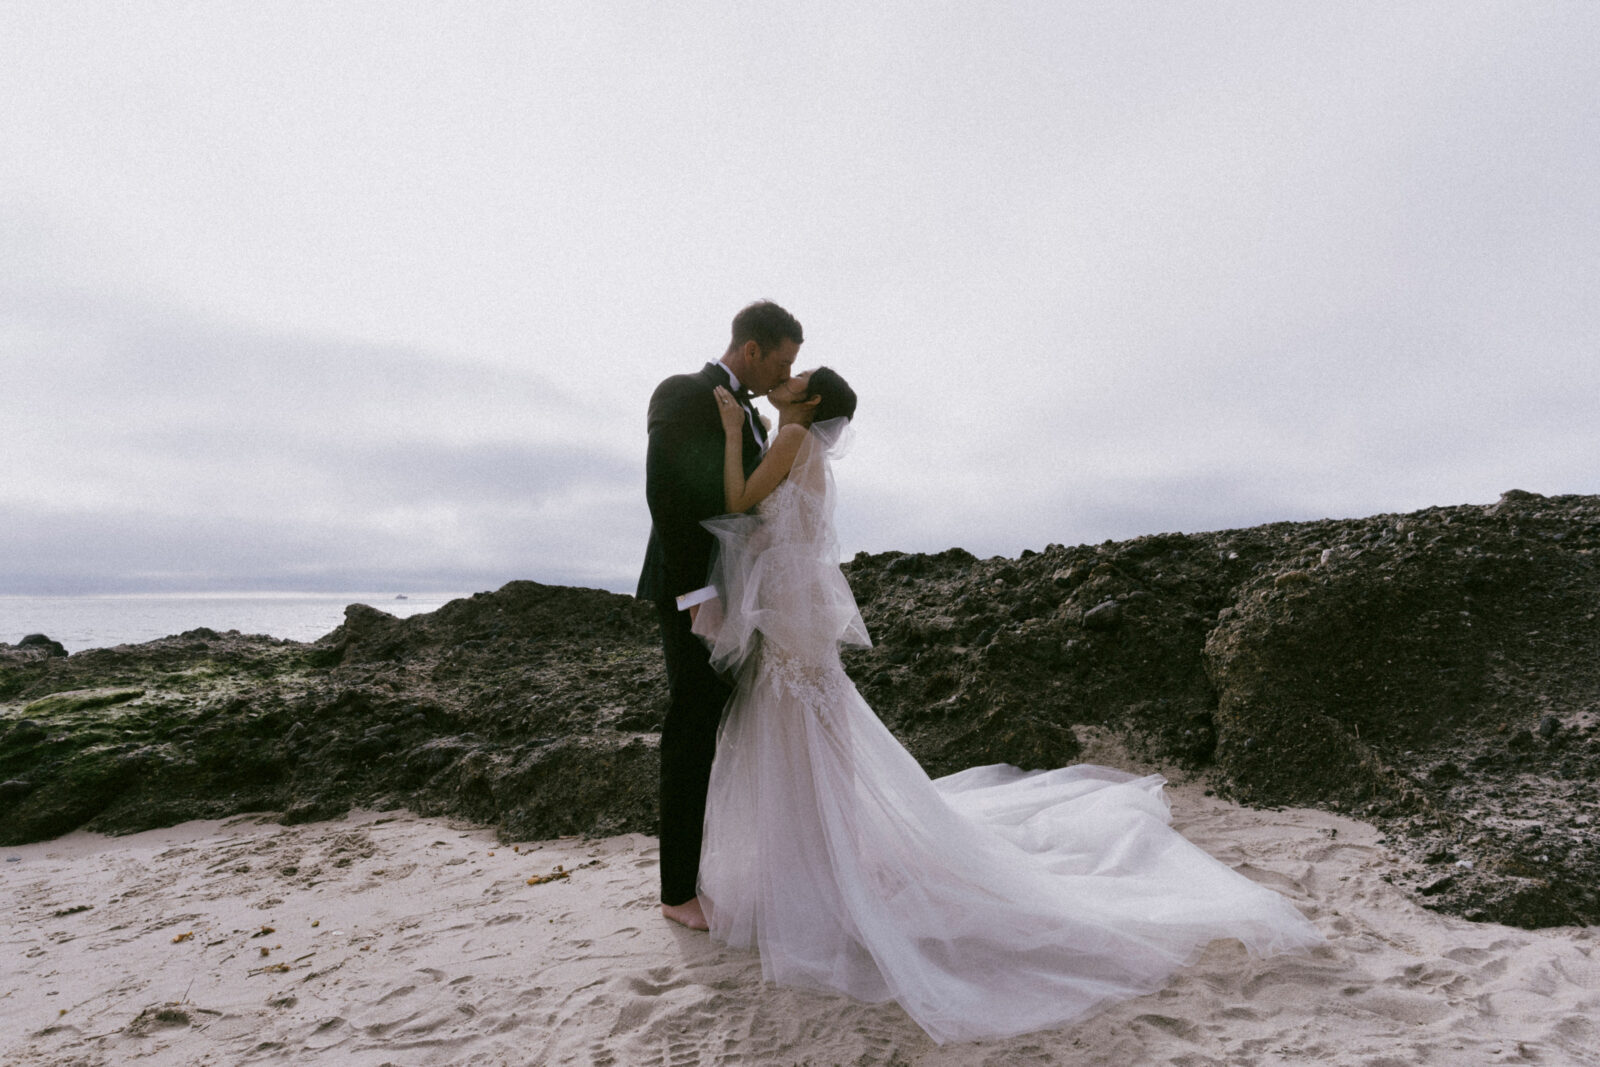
749,410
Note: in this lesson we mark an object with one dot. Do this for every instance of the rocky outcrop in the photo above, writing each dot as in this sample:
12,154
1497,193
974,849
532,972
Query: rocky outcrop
1439,672
533,708
31,648
1436,672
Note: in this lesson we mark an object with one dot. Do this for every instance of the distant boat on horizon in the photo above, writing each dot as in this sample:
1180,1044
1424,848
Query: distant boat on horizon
401,596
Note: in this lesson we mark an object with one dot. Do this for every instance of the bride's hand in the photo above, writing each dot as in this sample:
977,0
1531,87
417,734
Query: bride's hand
732,414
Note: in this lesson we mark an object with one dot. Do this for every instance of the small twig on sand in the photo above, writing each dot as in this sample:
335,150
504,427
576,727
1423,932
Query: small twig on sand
271,968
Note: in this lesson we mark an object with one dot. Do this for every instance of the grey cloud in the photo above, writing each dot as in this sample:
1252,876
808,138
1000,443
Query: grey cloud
533,474
1093,276
144,359
185,455
418,472
113,550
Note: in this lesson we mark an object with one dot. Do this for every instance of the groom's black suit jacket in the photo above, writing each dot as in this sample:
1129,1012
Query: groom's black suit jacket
683,481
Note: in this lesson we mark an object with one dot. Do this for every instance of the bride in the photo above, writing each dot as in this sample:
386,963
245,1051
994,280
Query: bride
988,903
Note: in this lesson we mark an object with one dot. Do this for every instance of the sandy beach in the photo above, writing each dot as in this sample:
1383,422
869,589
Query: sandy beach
387,938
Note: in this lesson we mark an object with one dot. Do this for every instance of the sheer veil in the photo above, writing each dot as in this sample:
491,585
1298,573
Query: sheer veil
777,573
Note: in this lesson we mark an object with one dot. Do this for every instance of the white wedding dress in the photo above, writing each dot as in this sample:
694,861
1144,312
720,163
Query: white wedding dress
988,903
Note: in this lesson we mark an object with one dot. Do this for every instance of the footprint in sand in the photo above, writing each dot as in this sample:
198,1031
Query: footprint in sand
658,983
329,1033
400,991
1427,974
1583,973
1166,1023
1467,955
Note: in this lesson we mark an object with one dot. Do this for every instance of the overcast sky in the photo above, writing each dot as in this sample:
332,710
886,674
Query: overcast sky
340,295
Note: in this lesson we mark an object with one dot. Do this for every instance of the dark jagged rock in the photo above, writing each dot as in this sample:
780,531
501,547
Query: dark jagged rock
490,707
1106,616
40,641
1434,672
1341,663
30,649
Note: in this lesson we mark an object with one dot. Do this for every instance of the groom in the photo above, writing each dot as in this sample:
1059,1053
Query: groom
683,485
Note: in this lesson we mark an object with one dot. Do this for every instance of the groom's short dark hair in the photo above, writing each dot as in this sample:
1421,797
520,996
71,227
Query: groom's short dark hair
767,324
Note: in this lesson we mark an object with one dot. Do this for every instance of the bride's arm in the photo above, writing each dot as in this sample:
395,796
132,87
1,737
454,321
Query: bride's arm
739,493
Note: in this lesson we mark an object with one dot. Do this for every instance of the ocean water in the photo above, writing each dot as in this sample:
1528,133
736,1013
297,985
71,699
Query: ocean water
81,622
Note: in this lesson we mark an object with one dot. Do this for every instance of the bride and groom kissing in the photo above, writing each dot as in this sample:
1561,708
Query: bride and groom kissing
988,903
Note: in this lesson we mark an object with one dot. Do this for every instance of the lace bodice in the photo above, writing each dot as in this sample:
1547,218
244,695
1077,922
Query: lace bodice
797,514
777,572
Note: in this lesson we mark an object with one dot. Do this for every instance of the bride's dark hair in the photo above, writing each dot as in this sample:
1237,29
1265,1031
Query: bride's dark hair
838,399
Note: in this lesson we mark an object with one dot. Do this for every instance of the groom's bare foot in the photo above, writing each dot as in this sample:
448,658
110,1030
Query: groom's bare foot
688,913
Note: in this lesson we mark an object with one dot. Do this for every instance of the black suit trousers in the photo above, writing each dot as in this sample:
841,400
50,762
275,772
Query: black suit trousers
688,745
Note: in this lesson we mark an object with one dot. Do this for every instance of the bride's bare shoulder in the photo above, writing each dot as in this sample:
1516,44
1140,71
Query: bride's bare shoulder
788,441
